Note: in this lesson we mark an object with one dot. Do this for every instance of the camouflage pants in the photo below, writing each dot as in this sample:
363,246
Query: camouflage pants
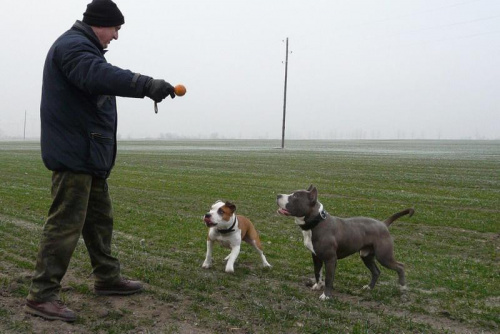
81,205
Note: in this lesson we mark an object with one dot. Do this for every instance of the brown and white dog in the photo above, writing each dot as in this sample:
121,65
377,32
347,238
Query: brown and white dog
229,229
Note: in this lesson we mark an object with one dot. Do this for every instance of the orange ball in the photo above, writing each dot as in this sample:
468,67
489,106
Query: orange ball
180,90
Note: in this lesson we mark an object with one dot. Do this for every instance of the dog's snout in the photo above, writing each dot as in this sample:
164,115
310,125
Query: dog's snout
208,215
279,197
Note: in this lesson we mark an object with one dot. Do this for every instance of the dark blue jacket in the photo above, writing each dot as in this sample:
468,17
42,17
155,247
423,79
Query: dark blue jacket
78,107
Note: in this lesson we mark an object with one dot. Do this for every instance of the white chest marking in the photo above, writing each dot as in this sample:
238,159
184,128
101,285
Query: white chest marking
307,234
308,240
226,240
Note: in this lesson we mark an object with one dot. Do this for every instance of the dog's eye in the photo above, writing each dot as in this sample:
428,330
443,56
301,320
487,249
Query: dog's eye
220,212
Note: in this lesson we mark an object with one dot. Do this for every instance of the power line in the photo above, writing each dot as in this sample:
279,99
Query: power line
443,26
481,34
456,23
419,12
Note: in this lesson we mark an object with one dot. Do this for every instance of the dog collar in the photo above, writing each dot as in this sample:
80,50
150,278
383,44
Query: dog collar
309,225
229,230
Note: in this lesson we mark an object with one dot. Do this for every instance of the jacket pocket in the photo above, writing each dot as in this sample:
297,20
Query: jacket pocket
101,151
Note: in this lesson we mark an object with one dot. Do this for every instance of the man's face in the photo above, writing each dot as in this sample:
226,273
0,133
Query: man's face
106,34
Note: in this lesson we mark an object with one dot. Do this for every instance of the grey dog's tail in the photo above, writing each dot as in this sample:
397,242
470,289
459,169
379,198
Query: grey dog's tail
395,216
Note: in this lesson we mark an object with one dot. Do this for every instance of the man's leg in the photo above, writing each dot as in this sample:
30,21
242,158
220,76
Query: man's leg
97,233
62,229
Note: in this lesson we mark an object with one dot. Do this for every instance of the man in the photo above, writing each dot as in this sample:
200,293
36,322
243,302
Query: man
78,142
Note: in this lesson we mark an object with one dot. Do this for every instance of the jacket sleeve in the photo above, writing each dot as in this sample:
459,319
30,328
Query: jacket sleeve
86,68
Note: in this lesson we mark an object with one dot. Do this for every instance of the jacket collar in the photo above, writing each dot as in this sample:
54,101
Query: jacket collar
89,33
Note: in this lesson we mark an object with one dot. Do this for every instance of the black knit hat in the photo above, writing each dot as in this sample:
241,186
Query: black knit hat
103,13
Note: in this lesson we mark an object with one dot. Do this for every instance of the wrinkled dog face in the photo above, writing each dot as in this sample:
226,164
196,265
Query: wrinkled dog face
297,204
220,213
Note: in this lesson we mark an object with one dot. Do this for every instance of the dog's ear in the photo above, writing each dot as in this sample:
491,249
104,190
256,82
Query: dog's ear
310,187
313,195
230,206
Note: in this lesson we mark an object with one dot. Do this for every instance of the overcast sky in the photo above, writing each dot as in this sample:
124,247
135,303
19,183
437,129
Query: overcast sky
362,69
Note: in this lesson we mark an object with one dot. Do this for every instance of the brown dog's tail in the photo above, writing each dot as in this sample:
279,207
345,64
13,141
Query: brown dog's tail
398,215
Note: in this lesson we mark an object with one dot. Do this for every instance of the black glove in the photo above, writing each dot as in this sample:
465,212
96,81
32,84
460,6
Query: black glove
158,89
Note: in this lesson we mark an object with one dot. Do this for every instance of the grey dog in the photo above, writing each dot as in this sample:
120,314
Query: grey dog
330,238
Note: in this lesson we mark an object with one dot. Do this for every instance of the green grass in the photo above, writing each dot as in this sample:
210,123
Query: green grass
160,191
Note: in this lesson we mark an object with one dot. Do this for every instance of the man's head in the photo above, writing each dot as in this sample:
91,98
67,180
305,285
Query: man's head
105,19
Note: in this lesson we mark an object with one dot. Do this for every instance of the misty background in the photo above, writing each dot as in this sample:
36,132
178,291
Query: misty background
358,69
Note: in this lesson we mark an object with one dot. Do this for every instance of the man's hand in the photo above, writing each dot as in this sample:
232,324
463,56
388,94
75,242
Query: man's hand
158,89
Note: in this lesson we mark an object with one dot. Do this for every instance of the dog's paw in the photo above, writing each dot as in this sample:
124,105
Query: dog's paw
229,270
318,286
206,265
324,297
266,265
403,287
366,287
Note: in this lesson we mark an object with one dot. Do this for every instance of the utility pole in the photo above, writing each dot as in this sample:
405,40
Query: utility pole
284,97
24,135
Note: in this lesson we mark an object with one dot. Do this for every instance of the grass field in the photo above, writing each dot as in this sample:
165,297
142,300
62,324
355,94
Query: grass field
161,190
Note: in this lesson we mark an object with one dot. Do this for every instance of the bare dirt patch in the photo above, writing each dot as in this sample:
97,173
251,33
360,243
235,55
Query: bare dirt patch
142,313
